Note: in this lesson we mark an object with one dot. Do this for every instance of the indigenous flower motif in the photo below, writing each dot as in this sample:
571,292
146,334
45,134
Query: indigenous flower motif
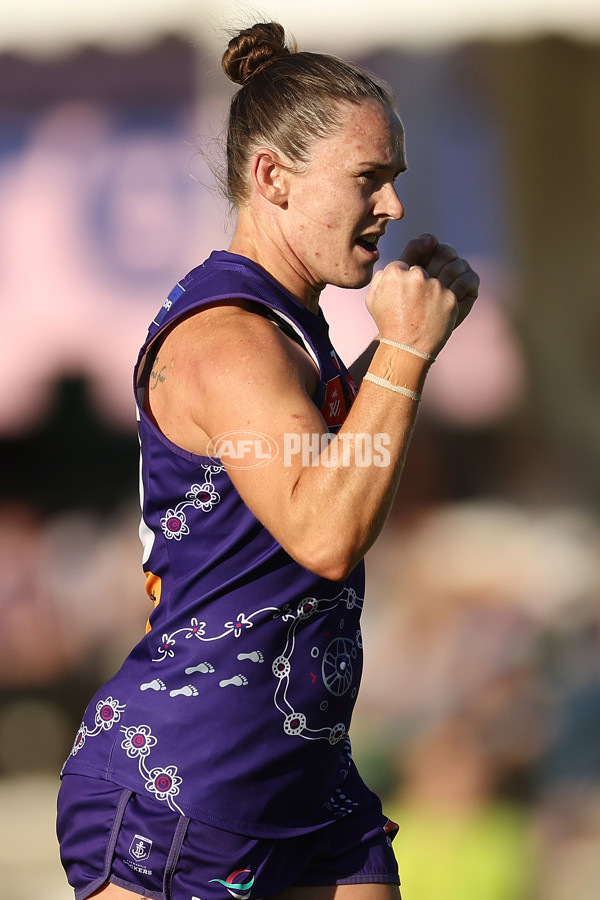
240,623
79,740
108,712
166,647
197,629
173,524
139,740
203,496
351,598
285,612
163,782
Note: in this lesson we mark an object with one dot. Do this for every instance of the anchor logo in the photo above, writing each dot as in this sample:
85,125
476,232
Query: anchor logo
140,847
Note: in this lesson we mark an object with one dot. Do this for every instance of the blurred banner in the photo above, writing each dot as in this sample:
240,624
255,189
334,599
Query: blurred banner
340,27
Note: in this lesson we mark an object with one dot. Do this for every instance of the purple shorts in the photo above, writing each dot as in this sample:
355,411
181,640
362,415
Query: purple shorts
109,833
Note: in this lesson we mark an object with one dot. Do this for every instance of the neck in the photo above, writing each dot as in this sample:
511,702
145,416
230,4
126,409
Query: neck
266,247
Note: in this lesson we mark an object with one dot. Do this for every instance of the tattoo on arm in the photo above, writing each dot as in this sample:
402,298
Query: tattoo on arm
156,375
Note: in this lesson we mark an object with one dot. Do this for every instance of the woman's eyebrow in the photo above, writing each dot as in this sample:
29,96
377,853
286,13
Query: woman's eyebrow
369,164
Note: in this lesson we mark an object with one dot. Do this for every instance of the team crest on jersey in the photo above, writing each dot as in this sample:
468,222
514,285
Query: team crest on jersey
140,848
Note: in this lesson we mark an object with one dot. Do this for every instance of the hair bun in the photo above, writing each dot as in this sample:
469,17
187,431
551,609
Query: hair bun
252,48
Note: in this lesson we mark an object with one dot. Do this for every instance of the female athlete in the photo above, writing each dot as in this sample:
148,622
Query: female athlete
217,763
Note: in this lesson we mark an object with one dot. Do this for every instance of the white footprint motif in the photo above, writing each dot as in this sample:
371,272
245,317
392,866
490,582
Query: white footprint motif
188,690
237,680
155,685
256,656
204,667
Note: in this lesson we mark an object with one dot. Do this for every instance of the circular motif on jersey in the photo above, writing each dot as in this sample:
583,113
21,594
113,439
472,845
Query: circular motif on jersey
337,733
164,783
108,712
295,723
138,741
203,496
337,666
79,740
281,667
174,524
314,652
307,608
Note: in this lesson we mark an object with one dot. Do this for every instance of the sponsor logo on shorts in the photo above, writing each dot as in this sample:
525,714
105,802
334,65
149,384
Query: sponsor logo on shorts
238,886
140,848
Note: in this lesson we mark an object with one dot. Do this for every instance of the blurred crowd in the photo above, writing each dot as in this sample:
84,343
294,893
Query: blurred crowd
481,699
479,717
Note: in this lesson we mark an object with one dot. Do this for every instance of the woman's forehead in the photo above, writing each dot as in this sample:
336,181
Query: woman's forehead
369,132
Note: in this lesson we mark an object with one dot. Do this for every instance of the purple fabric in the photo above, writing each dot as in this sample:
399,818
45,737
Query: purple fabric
235,708
165,856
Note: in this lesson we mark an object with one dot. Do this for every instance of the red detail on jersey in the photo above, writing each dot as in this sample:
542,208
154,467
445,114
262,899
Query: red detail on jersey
334,406
351,385
390,827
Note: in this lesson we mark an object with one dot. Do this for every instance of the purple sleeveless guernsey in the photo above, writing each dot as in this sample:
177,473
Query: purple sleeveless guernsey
234,708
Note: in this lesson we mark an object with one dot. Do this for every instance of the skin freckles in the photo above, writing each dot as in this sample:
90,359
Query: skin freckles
315,221
347,190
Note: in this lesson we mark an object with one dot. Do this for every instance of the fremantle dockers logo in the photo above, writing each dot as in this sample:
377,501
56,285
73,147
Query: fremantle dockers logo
140,848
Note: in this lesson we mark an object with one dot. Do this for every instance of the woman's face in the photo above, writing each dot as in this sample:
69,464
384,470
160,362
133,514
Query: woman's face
340,205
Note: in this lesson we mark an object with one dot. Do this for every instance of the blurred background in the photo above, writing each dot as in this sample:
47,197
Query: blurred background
479,719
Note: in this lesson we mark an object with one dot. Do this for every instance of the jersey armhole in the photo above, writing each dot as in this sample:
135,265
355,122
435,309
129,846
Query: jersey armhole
287,326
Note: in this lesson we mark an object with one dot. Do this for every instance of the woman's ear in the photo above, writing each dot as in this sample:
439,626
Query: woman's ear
270,176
